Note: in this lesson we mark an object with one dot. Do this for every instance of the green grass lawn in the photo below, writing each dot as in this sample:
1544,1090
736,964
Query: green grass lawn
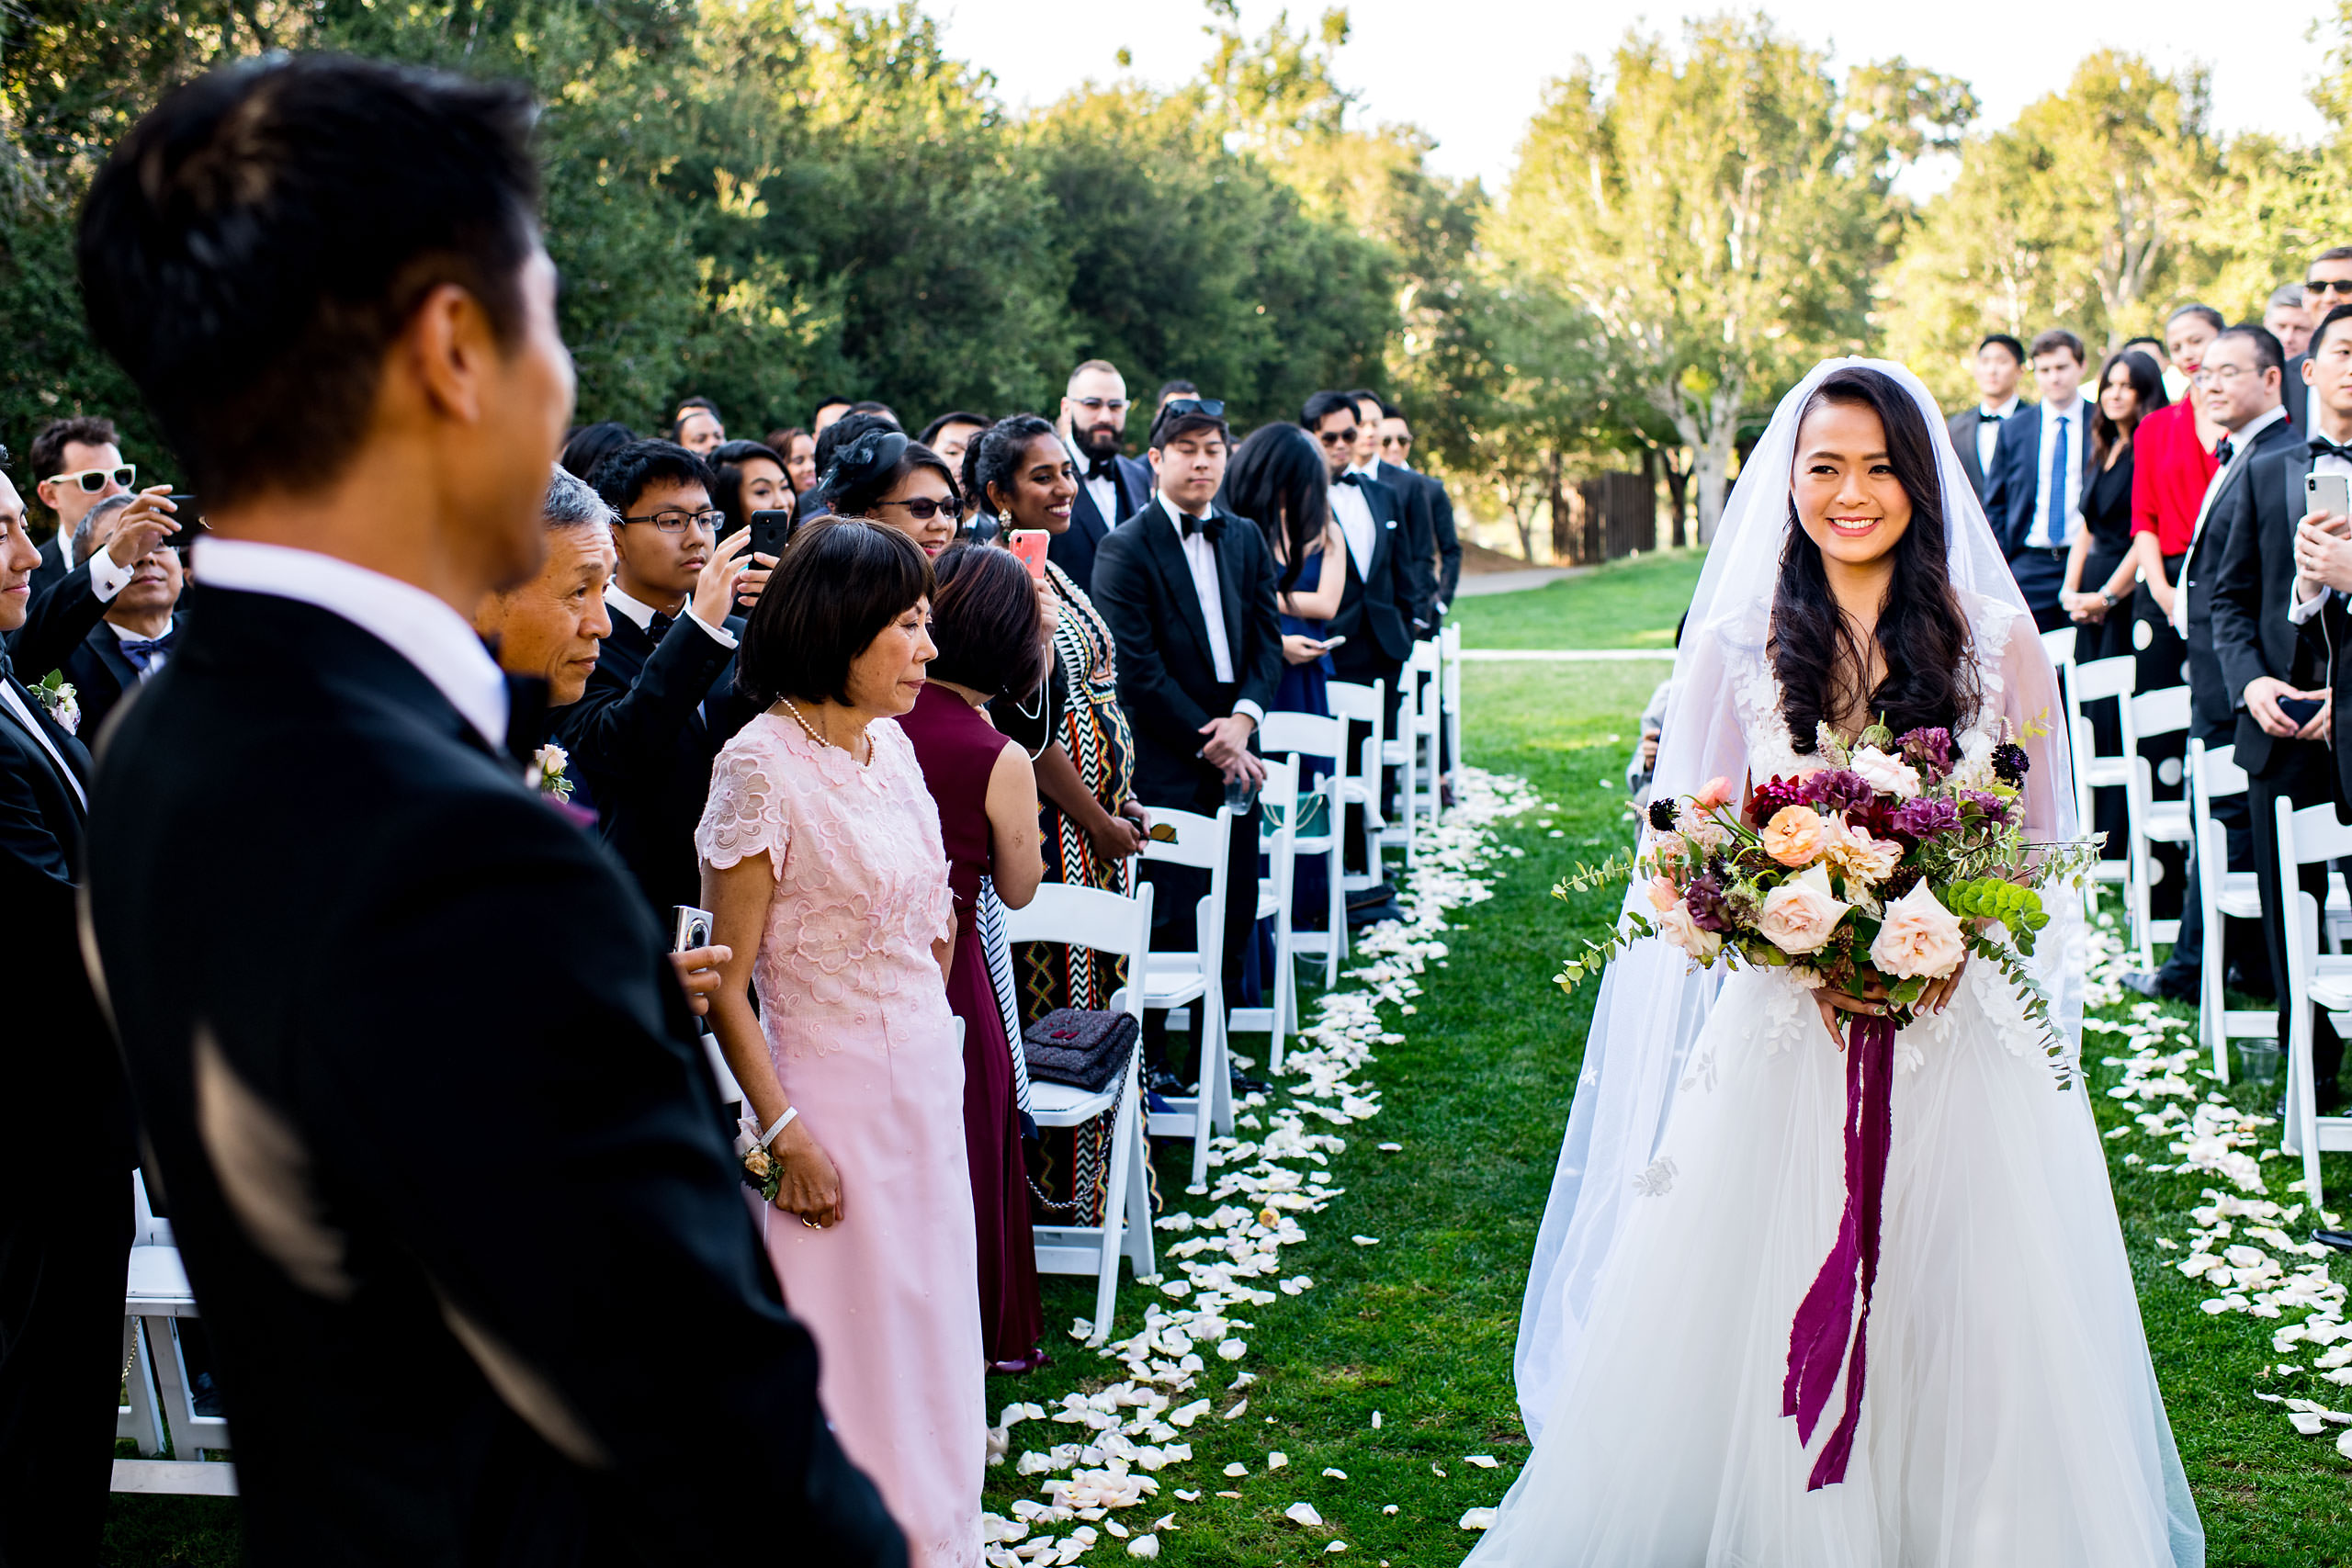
1421,1327
1626,603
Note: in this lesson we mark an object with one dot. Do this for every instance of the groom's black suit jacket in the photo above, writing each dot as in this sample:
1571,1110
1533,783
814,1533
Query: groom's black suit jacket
2254,520
447,1169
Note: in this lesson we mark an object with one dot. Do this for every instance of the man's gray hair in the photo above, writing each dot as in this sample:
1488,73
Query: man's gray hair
82,549
2288,295
570,503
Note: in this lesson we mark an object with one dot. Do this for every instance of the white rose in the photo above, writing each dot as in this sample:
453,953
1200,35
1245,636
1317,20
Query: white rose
1880,772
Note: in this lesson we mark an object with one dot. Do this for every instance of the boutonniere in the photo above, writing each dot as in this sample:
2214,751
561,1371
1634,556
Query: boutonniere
64,705
549,773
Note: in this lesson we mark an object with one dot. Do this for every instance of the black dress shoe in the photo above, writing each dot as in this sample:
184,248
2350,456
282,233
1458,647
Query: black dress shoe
1160,1080
1243,1084
2153,985
1378,893
1373,914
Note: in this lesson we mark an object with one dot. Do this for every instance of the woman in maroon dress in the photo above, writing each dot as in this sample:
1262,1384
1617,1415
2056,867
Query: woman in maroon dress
984,620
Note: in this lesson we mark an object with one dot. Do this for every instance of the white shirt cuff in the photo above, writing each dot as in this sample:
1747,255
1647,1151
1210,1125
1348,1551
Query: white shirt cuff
2301,610
724,637
107,579
1256,715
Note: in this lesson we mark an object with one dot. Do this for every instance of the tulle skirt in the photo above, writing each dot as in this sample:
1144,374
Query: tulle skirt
2010,1415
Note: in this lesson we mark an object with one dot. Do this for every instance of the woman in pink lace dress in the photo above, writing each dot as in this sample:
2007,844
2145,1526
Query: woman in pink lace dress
823,868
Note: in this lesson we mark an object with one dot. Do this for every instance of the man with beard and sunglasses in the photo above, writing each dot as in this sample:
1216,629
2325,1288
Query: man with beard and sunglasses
1111,486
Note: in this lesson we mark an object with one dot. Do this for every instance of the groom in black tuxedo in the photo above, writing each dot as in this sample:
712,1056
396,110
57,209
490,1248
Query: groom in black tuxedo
447,1169
66,1146
1188,591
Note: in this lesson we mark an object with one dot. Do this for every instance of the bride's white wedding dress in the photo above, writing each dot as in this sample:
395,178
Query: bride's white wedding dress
2010,1415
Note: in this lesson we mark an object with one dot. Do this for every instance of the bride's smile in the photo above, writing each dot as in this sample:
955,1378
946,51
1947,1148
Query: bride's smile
1848,497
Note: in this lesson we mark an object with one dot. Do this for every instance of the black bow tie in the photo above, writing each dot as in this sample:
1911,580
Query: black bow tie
2224,451
2322,447
1103,467
1992,418
1212,527
1349,476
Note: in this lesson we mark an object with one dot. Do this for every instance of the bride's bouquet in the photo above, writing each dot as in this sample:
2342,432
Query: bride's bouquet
1876,877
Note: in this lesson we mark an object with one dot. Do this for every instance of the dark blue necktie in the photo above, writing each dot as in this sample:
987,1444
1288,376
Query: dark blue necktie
141,652
2058,484
658,625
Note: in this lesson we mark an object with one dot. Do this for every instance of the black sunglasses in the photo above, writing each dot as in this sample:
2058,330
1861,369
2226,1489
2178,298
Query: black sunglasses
922,509
1210,408
2321,284
1338,437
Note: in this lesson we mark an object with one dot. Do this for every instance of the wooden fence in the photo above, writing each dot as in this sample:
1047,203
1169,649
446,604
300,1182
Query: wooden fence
1604,518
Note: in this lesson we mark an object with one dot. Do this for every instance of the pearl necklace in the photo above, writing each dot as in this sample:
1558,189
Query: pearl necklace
810,731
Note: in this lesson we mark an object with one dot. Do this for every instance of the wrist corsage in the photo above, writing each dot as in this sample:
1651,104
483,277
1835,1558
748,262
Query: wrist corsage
762,1172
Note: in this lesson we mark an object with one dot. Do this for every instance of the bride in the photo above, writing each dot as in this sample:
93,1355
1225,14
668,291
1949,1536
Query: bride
2007,1412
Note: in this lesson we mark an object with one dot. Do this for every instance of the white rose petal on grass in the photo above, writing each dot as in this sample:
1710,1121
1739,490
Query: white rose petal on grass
1115,1528
1276,1460
1365,1240
1389,1509
1237,1469
1483,1461
1168,1521
1303,1513
1478,1520
1341,1545
1229,1494
1335,1474
1144,1546
1437,1470
1235,1414
1375,1420
1232,1349
1392,1148
1183,1497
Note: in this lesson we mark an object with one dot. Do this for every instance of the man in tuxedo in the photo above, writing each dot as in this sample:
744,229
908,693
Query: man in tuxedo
1110,487
66,1140
61,617
133,638
444,1162
76,464
2323,539
1187,590
2040,465
2000,361
661,700
2275,678
1415,509
1395,453
549,632
2327,283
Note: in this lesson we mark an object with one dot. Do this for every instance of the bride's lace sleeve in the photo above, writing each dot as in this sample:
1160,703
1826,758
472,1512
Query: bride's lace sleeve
744,814
2021,698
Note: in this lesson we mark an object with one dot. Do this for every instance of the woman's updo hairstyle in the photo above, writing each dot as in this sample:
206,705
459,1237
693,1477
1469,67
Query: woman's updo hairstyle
865,470
841,581
1922,632
984,622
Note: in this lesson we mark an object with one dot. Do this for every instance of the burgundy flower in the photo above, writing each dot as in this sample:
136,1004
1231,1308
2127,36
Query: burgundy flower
1929,751
1924,817
1704,899
2010,764
1994,809
1662,814
1839,789
1772,796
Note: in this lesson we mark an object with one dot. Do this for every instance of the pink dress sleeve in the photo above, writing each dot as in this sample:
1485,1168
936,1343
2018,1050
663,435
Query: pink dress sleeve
745,811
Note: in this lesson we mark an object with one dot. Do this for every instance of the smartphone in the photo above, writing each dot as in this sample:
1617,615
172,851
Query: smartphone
2331,493
693,929
1331,642
1030,546
2302,710
189,518
770,532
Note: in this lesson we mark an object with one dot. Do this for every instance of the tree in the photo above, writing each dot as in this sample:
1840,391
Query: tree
1719,216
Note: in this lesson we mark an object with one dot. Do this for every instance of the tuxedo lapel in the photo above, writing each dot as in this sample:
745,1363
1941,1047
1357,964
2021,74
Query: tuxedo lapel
74,778
1176,573
1228,592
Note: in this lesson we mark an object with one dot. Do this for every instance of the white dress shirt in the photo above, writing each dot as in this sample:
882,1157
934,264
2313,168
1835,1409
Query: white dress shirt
414,624
156,660
640,614
1354,514
2057,517
1104,492
1201,556
2303,609
1988,430
16,707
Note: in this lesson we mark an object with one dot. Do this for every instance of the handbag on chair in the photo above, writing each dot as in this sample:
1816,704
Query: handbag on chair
1083,1049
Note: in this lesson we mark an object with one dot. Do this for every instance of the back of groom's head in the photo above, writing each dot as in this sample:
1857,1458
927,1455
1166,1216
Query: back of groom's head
255,246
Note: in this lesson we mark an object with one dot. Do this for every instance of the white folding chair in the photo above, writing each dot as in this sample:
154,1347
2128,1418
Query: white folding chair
1296,734
1277,841
1450,641
1424,795
2222,895
2313,980
2161,712
1108,923
156,1298
2096,770
1174,980
1360,775
2060,646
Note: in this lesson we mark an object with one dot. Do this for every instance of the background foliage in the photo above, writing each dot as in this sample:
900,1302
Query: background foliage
770,201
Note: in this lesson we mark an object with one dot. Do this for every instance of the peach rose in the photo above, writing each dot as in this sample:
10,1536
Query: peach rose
1881,772
1716,793
1676,926
1799,914
1860,856
1920,938
1796,835
1664,893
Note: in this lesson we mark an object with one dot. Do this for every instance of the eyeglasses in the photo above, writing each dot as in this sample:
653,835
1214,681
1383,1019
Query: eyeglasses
1210,408
93,480
677,520
922,509
1338,437
1098,405
2321,284
2219,374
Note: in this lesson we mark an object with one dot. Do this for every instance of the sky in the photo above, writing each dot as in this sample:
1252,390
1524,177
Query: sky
1474,81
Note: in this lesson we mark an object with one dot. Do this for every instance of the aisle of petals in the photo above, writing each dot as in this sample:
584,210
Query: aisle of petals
2239,1246
1183,1373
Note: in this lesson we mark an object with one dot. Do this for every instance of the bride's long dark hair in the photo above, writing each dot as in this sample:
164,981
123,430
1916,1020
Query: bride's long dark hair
1819,653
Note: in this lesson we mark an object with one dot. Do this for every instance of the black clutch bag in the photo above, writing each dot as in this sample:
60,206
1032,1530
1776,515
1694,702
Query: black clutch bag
1083,1049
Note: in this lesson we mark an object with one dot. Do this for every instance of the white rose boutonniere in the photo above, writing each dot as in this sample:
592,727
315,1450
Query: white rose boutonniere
64,705
549,773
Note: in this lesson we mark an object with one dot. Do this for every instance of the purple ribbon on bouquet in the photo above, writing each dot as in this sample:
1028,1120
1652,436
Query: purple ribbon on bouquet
1817,1338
